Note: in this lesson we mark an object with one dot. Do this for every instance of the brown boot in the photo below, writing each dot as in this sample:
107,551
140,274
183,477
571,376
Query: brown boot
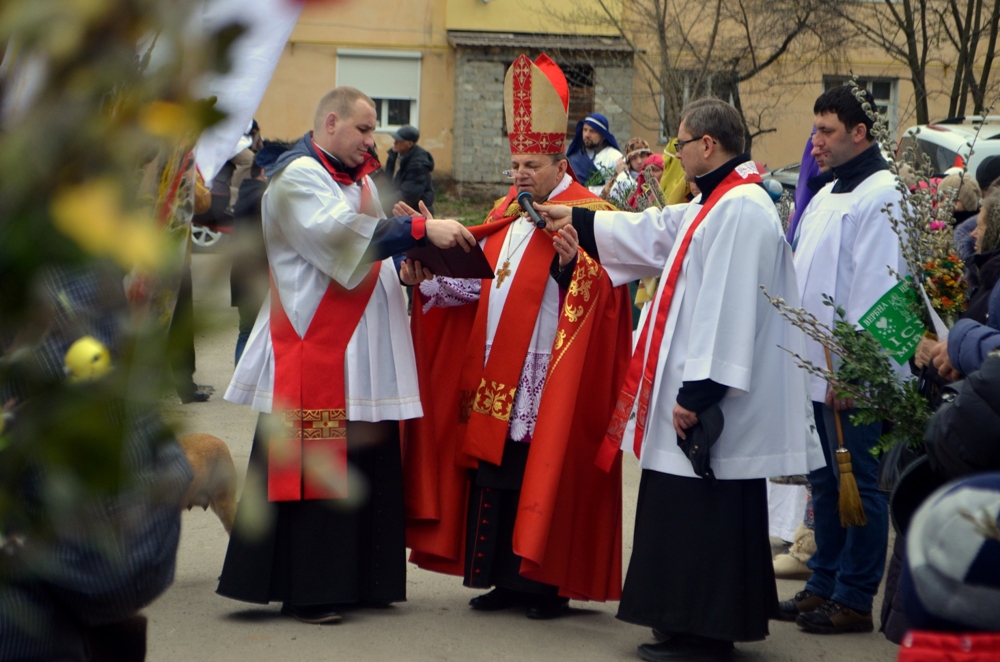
835,618
803,602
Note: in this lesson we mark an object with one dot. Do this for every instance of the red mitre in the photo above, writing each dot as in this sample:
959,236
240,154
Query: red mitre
536,106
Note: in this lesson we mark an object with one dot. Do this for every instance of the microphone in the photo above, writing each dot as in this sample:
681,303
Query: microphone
524,199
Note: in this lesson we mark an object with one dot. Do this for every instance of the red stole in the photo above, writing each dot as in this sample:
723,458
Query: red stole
307,458
644,364
487,394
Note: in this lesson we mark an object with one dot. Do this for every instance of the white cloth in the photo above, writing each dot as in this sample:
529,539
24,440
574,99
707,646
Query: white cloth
445,292
606,160
624,185
721,327
313,232
845,248
786,508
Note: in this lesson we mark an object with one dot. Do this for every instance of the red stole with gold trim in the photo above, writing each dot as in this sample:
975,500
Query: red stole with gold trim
307,458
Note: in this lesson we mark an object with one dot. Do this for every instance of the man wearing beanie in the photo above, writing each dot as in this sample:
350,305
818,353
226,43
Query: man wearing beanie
410,167
987,173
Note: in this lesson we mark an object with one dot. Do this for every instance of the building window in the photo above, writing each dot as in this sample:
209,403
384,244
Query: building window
580,79
390,78
719,85
885,91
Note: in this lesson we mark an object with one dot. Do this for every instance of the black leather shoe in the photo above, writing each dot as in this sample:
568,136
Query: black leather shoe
547,608
835,618
312,614
197,396
497,599
803,603
661,635
679,648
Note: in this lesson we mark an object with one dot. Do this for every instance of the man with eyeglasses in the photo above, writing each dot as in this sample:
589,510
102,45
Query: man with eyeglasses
518,374
711,404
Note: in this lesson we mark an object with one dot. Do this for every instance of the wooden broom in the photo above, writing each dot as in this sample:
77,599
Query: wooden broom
852,511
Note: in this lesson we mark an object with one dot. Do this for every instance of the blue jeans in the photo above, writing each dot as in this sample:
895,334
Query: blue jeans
849,562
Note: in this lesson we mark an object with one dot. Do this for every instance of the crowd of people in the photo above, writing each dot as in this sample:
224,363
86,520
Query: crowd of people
484,428
511,475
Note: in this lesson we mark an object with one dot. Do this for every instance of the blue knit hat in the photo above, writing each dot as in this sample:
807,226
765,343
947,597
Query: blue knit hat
951,580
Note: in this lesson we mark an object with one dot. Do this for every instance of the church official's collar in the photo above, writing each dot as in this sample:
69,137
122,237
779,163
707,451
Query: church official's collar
340,173
850,175
706,183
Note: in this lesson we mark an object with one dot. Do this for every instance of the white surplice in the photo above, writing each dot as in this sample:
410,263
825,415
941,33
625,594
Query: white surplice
444,292
845,249
313,232
720,327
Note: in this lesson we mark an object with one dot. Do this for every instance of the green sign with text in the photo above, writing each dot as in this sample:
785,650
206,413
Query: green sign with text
894,323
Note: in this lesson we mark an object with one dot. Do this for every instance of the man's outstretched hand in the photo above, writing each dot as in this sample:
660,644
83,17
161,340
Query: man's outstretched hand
556,216
442,232
445,233
403,209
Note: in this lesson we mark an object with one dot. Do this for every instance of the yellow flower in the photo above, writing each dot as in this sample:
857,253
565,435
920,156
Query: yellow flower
168,120
91,215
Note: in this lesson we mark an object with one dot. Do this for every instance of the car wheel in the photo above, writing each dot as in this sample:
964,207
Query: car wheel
205,239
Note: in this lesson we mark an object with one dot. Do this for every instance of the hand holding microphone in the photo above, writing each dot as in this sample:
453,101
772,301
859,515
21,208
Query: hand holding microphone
525,200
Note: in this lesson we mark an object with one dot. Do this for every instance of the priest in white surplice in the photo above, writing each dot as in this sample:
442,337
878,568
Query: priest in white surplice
330,365
711,403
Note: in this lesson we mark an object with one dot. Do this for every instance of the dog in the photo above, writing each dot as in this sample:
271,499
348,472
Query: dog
214,483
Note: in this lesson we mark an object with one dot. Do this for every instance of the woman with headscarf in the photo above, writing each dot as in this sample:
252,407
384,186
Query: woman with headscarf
629,169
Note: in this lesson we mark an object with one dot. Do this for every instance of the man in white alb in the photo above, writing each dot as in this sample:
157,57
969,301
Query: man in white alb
712,404
330,365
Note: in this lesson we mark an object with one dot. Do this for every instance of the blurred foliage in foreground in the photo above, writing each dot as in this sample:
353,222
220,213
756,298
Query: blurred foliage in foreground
77,138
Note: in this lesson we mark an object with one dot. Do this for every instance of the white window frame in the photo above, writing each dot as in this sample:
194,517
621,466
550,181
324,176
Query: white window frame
384,126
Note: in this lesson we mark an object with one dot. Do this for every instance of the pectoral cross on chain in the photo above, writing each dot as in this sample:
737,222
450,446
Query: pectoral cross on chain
502,273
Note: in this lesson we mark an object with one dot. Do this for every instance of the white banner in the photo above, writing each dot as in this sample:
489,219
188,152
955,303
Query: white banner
254,56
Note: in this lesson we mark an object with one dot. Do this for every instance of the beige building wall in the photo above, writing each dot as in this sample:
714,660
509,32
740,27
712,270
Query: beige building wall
517,16
789,101
308,67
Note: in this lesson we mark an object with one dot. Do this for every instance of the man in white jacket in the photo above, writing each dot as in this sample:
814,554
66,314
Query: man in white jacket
845,249
711,403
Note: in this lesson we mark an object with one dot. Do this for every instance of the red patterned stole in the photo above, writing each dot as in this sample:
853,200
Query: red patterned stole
307,458
644,365
487,394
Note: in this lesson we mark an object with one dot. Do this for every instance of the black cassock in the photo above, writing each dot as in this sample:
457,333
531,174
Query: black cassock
338,551
701,558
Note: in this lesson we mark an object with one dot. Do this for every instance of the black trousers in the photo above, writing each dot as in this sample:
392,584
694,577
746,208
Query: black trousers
701,558
493,497
180,338
338,551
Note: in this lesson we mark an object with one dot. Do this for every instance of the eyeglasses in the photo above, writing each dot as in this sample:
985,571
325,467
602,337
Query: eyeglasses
525,170
681,143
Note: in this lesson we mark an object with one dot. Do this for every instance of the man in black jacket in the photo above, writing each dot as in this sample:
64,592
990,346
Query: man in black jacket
412,179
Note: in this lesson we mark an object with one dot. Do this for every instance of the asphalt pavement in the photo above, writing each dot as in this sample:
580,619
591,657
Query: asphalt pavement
191,622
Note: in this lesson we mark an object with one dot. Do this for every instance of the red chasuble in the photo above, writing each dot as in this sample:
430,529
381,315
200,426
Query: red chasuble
568,528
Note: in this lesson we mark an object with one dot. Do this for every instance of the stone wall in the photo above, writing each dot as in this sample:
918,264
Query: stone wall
481,150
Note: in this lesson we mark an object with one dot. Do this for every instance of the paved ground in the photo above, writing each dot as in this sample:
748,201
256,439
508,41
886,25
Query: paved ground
190,622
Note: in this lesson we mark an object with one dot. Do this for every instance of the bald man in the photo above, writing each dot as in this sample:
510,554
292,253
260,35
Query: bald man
330,366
